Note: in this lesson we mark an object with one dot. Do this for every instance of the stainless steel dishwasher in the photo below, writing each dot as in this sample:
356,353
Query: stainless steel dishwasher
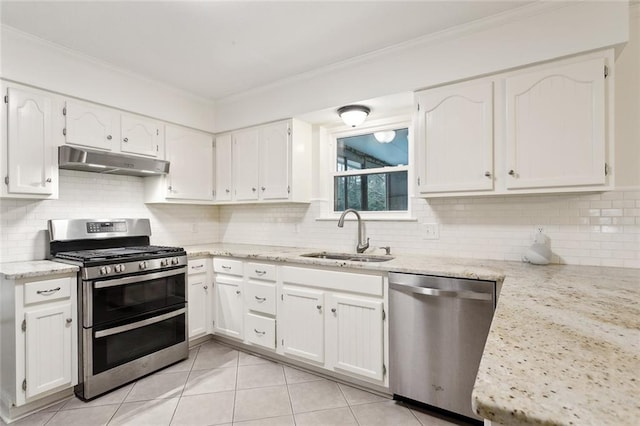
437,330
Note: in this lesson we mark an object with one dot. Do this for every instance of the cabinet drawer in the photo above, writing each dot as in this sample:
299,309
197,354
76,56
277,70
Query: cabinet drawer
197,266
227,266
47,290
260,330
261,271
261,297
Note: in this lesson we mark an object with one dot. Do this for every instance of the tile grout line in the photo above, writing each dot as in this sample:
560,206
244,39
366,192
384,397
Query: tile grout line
185,383
286,382
235,389
348,404
121,403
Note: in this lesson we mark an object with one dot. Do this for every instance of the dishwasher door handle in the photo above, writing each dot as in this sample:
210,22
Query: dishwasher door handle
428,291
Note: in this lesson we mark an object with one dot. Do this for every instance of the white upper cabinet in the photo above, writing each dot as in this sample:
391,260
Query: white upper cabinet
30,167
190,155
556,126
455,136
90,125
139,135
223,169
246,163
275,158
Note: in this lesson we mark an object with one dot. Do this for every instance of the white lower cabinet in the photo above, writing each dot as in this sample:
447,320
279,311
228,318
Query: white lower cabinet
199,297
260,330
39,338
228,308
302,323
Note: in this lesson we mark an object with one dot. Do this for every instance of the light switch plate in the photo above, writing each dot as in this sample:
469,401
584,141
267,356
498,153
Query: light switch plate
431,231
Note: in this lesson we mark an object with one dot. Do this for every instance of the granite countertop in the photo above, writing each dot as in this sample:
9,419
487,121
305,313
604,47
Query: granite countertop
564,344
35,268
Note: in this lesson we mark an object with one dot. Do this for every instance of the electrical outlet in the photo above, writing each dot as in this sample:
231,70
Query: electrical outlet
431,231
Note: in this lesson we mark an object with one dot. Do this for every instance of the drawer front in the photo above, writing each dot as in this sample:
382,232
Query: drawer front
261,271
261,297
223,265
47,290
260,330
197,266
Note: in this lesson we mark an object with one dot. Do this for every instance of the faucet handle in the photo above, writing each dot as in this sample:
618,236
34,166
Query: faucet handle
387,249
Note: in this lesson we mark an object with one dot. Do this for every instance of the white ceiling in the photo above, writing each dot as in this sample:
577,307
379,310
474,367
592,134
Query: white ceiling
216,49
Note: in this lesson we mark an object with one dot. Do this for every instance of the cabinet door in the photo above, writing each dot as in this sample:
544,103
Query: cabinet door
139,135
48,348
355,333
89,125
455,138
556,126
303,323
275,141
31,154
223,168
228,306
198,299
190,154
246,164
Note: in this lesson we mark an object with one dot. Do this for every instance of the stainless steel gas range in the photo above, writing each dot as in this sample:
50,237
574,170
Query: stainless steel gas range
132,300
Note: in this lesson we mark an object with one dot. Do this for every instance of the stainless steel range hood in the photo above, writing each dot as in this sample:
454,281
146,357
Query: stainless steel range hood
89,160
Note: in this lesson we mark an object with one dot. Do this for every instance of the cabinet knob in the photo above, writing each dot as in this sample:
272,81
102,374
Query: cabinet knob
227,191
333,310
487,174
512,172
170,188
253,189
48,180
263,188
69,320
125,140
237,291
318,307
109,137
205,287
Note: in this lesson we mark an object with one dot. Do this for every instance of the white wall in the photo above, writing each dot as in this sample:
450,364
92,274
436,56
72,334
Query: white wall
23,223
547,30
33,61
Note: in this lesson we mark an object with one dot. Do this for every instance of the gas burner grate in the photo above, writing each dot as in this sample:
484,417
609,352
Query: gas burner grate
116,253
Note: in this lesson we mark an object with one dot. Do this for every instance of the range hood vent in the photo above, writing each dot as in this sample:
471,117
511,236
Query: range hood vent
89,160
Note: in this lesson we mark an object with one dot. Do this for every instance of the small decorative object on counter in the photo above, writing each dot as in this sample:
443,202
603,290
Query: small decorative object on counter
539,253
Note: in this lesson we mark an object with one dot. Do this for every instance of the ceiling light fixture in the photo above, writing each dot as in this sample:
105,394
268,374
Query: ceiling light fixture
385,137
353,115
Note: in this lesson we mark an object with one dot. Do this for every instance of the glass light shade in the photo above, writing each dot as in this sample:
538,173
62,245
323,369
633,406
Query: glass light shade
385,137
353,115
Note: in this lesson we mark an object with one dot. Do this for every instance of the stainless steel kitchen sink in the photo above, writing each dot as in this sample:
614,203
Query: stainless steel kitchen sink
348,256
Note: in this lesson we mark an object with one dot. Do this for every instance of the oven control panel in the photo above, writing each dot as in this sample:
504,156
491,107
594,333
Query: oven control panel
99,227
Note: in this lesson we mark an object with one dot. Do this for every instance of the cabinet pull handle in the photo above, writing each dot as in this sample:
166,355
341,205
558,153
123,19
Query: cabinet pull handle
69,320
109,137
48,180
259,272
262,333
47,292
197,266
512,172
237,291
318,307
125,140
226,267
333,310
260,299
487,174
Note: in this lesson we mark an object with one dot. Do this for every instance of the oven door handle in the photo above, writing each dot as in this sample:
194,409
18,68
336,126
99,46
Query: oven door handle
138,278
143,323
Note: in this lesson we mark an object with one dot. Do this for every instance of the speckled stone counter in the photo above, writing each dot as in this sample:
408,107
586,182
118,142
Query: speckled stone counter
564,345
34,268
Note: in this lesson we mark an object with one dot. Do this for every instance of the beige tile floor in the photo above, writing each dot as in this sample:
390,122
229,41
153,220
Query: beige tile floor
218,385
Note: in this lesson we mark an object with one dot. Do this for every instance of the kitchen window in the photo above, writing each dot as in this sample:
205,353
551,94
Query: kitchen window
370,171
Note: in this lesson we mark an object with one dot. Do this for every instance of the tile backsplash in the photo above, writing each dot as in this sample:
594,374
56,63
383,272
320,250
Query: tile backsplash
587,229
23,223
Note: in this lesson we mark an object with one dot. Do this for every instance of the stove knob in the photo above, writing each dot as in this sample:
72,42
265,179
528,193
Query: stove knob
108,269
103,270
118,268
143,264
175,261
164,262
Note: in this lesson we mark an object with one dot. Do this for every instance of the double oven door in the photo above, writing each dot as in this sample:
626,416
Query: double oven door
131,326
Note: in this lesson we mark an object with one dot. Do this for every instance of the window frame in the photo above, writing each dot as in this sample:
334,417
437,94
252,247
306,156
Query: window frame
370,127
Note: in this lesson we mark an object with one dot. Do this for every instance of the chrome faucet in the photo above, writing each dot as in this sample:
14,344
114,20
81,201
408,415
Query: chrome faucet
362,246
